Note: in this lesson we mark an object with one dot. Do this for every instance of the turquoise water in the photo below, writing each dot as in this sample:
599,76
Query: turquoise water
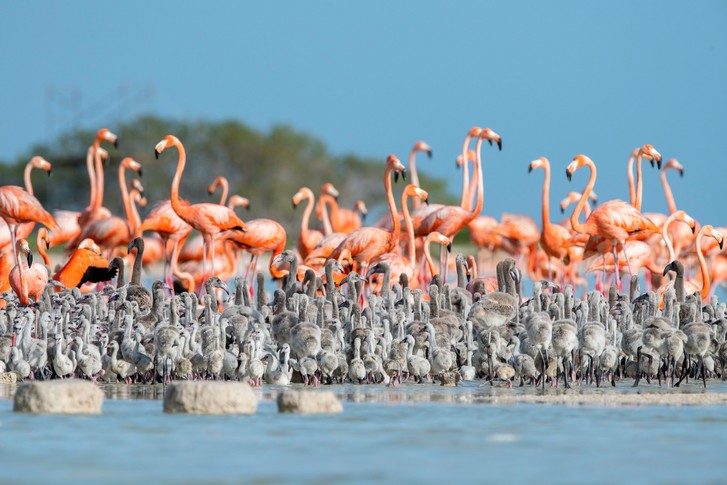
440,437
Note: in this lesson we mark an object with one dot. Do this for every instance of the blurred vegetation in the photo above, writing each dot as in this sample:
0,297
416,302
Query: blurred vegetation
267,168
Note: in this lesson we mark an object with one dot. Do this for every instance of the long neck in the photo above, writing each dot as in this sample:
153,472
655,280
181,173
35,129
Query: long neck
480,185
394,240
225,190
414,175
135,221
308,209
577,226
43,253
136,271
428,257
410,228
327,229
91,176
125,194
546,196
471,191
667,192
632,190
465,172
23,297
99,176
174,198
706,284
665,235
639,183
26,178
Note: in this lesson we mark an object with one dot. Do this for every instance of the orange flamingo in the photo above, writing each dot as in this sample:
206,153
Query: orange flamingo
676,216
308,237
615,220
208,219
399,264
445,242
489,283
86,265
322,209
43,245
27,281
7,263
648,152
95,209
366,243
420,146
111,232
18,206
552,236
691,287
262,236
342,219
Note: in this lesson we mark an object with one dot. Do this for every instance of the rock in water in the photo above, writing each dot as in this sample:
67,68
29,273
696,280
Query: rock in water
449,379
72,396
309,402
210,398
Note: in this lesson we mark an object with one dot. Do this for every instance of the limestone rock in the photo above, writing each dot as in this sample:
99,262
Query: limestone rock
210,398
309,402
449,379
72,396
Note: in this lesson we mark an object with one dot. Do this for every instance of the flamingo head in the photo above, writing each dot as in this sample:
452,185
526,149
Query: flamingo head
137,243
474,132
90,245
412,190
682,216
41,163
43,241
131,164
165,143
421,146
712,232
105,135
441,239
361,208
136,185
649,152
541,162
393,163
138,197
239,201
297,197
491,137
23,247
578,162
218,182
569,199
673,163
470,158
329,189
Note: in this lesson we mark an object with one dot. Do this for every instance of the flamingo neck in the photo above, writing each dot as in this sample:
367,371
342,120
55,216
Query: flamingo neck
667,192
125,196
26,178
23,296
480,184
414,175
135,222
465,172
546,196
327,228
410,228
225,190
274,271
471,191
430,262
665,235
174,196
394,240
43,254
98,202
706,284
577,226
639,184
307,212
632,190
91,177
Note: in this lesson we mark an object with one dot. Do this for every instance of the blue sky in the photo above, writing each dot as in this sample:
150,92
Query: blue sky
553,78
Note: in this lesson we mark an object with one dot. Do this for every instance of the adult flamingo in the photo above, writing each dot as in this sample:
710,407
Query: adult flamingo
691,287
449,220
27,280
95,208
399,264
552,236
86,265
366,243
341,219
111,232
223,183
262,236
308,237
208,219
615,220
648,152
17,207
420,146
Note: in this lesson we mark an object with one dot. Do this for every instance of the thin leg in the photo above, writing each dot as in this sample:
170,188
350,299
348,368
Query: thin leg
628,264
615,263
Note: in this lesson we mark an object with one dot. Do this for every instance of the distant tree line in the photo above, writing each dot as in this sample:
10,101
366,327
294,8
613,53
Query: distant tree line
267,168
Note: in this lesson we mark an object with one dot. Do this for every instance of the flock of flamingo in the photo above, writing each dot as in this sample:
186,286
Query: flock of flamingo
361,303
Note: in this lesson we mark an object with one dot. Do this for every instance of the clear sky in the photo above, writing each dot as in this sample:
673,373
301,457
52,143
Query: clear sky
553,78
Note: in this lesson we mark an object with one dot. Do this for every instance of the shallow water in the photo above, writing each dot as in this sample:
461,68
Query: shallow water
422,433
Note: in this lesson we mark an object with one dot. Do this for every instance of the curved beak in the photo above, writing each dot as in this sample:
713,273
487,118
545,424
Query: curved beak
156,154
429,153
568,175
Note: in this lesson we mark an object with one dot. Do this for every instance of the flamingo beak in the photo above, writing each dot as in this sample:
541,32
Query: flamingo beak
499,144
141,173
156,154
429,153
568,175
681,173
449,247
30,257
116,143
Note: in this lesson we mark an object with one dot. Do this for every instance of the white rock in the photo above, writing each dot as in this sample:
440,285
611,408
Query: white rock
210,398
72,396
309,402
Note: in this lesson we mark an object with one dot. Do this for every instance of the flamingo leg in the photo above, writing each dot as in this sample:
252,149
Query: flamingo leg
615,264
628,264
212,260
